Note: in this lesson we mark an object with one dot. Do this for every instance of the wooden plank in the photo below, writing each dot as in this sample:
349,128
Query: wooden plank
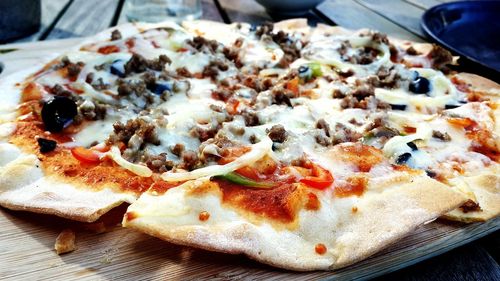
244,11
352,15
50,12
84,18
209,10
401,13
26,251
424,4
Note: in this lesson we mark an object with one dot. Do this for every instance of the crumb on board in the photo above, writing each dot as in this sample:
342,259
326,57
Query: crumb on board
65,242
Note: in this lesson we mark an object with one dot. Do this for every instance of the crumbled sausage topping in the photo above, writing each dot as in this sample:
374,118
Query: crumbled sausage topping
442,136
116,35
139,64
470,206
441,57
277,133
134,134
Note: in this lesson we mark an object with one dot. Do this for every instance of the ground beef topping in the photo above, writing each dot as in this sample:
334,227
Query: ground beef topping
363,55
189,160
412,52
158,163
205,131
73,69
177,149
58,90
282,96
99,84
363,97
470,206
91,110
442,136
290,46
277,133
387,77
139,64
126,88
134,134
440,57
203,45
222,94
323,125
213,68
251,118
342,134
116,35
183,72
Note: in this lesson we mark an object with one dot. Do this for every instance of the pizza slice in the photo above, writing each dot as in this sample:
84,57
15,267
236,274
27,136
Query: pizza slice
447,122
59,122
318,212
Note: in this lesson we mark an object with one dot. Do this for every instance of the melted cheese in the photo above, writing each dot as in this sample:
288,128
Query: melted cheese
137,169
258,151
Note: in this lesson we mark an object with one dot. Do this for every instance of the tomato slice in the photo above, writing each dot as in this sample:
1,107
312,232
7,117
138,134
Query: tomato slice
293,85
466,123
320,178
86,155
105,50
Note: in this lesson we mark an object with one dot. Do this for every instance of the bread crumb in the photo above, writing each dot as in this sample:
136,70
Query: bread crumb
65,242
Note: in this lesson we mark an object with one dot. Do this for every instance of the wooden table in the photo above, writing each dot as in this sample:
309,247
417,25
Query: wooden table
80,18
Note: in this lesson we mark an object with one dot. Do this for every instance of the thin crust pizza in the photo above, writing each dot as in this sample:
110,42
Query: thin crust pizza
304,148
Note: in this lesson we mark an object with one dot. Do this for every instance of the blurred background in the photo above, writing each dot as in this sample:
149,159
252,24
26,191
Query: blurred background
469,29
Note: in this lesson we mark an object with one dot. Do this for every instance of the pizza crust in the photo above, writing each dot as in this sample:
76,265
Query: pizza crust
23,184
349,236
480,84
486,189
25,187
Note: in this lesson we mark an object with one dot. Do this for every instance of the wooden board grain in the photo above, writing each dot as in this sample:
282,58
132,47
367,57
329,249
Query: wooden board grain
84,18
27,240
399,12
51,11
244,11
209,12
343,12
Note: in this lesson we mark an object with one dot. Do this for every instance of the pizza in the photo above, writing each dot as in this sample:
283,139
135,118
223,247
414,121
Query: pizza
303,148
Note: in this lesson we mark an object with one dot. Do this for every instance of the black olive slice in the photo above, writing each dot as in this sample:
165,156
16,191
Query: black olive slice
398,106
451,106
403,158
430,173
412,145
46,145
58,113
420,85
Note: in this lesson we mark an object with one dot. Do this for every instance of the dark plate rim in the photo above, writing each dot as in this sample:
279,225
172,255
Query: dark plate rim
428,14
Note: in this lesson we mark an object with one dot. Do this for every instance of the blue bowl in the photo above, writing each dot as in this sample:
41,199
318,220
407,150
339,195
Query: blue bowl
289,7
469,28
18,18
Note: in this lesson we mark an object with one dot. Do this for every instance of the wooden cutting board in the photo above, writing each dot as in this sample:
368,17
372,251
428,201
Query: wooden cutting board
27,240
